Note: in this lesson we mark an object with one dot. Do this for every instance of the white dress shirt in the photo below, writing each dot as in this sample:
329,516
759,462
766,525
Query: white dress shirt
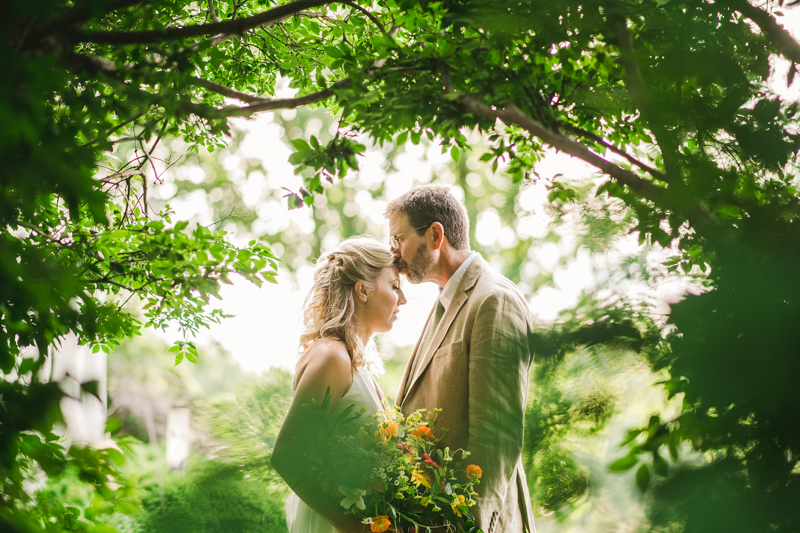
449,289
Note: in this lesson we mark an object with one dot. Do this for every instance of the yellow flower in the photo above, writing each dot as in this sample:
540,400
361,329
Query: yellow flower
380,524
419,478
458,500
474,470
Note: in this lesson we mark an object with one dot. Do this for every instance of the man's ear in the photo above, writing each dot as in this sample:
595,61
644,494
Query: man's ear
437,232
362,294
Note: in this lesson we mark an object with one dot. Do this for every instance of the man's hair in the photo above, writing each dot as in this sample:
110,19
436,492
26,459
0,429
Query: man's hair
434,203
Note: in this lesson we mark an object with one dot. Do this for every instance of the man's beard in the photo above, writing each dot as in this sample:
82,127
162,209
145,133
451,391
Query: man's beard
416,271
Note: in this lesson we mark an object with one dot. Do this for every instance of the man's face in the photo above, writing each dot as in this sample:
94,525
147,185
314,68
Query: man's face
411,256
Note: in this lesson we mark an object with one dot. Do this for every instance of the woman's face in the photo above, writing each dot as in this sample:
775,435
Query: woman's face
380,310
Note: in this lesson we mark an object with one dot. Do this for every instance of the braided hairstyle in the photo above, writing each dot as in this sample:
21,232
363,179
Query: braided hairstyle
329,309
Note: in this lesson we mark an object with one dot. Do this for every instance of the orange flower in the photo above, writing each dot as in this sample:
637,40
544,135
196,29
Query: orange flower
389,430
380,524
474,470
423,433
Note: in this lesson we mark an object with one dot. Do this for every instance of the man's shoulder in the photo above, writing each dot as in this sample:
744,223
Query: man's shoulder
492,284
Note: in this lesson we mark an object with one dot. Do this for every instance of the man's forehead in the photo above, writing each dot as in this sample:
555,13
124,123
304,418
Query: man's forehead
398,222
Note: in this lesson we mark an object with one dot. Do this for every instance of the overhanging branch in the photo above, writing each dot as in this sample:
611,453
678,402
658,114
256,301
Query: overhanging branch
227,91
366,13
512,115
267,18
72,16
599,140
780,38
265,104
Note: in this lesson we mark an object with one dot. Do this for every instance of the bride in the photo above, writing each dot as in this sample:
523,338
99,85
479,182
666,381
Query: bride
356,293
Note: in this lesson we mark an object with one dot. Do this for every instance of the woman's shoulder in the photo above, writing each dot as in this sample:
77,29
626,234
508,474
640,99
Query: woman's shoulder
329,356
329,347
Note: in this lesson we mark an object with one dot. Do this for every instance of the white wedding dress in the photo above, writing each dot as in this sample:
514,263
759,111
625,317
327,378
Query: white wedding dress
364,392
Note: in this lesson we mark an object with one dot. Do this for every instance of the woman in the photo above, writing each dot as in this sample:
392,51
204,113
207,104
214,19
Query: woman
356,293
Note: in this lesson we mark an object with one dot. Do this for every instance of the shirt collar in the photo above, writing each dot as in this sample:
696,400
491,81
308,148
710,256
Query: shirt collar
449,290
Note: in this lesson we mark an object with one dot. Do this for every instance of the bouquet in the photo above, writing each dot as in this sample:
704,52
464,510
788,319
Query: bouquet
390,472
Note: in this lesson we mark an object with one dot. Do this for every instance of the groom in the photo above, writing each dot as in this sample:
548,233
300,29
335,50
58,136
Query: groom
473,358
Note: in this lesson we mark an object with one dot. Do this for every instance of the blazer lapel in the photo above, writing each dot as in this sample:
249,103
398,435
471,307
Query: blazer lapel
459,298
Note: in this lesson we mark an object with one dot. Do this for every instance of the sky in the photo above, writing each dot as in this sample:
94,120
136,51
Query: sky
265,329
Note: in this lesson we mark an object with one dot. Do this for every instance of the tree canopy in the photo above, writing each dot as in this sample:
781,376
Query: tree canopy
669,99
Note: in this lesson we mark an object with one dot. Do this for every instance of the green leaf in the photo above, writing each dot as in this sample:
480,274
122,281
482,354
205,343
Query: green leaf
298,157
643,477
624,463
28,364
333,52
113,425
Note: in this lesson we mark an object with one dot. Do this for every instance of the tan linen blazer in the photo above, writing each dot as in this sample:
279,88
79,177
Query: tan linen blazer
476,369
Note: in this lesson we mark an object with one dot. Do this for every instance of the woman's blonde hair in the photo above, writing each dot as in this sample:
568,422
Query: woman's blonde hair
329,309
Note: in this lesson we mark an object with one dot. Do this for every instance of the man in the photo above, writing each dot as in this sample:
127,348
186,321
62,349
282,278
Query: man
473,358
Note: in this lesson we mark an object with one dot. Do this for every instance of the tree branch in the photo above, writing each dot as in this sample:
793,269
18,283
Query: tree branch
36,230
72,16
369,15
227,91
776,34
212,12
512,115
267,18
122,175
599,140
266,104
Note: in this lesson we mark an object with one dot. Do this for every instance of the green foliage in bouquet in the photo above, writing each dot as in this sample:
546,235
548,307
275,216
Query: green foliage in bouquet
390,471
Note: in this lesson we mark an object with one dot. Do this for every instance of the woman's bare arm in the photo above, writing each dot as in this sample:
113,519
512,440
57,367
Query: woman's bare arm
329,365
